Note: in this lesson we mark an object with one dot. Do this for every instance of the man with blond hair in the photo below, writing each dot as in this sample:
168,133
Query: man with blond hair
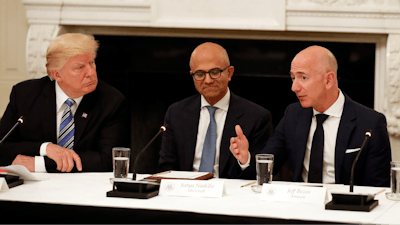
200,126
72,119
322,134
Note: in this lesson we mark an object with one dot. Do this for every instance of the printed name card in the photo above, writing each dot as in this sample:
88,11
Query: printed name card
293,193
3,184
192,188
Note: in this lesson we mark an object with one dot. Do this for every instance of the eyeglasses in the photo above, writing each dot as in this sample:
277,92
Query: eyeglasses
214,74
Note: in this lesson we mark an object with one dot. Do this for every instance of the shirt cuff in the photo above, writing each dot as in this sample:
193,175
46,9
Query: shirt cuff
39,164
247,164
43,148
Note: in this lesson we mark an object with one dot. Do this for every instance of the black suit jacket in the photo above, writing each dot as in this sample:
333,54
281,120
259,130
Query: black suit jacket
373,166
179,140
104,127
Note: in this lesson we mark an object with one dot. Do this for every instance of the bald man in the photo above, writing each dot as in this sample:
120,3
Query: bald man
200,127
314,75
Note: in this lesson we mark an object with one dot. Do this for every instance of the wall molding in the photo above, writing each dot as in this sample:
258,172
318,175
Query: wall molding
333,20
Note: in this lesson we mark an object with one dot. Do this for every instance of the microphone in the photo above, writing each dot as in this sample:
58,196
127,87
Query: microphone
162,129
133,188
367,136
353,201
12,180
19,121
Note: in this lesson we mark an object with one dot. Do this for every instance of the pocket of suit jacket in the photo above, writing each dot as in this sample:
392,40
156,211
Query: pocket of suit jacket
352,150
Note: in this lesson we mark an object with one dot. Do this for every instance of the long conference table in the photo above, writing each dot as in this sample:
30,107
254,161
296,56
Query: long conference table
81,198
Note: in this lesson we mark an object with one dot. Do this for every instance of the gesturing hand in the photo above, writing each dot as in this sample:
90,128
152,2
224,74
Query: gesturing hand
240,146
64,157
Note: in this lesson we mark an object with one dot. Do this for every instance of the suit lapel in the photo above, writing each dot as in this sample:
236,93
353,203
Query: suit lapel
301,137
234,112
345,129
48,115
84,114
191,118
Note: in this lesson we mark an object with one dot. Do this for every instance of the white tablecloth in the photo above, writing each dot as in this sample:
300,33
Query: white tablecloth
89,189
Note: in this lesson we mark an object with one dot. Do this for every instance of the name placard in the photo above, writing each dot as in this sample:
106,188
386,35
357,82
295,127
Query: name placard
192,188
3,184
293,193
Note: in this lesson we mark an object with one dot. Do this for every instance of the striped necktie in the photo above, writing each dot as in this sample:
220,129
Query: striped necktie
208,154
67,127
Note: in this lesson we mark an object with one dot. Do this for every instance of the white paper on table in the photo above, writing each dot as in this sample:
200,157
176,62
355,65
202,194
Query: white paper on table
21,171
182,174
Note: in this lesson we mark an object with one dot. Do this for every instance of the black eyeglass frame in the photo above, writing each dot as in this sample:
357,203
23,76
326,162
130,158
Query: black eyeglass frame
209,73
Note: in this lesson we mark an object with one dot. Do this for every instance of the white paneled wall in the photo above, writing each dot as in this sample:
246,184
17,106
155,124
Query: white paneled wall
13,32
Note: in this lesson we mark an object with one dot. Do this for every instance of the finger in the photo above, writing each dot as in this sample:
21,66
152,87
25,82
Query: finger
58,161
53,153
70,161
233,147
239,132
77,160
64,165
233,140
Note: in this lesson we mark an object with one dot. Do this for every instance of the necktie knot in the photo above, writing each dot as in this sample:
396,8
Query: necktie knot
69,102
211,110
321,119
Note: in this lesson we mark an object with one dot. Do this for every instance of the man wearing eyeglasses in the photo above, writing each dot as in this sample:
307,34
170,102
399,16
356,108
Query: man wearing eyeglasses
200,127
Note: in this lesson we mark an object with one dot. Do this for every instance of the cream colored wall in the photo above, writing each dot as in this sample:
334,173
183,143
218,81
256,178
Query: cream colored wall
13,32
395,145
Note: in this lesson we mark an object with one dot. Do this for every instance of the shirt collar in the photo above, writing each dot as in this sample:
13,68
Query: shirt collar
221,104
61,97
336,109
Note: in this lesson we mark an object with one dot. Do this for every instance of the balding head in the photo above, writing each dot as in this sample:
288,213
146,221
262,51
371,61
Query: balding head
323,59
207,50
313,72
206,57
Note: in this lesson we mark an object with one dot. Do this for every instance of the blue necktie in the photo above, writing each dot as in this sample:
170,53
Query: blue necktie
67,127
208,154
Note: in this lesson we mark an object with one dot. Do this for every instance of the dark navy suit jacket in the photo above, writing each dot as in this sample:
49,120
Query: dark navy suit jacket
373,166
103,128
179,140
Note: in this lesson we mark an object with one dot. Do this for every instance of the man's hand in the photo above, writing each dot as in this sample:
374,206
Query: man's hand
240,146
27,161
63,157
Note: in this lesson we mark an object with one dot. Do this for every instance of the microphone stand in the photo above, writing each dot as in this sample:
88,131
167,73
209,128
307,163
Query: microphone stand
133,188
162,129
353,201
12,180
367,136
20,120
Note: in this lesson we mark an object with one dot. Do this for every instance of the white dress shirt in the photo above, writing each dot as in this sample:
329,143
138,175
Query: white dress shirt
61,97
330,126
220,117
